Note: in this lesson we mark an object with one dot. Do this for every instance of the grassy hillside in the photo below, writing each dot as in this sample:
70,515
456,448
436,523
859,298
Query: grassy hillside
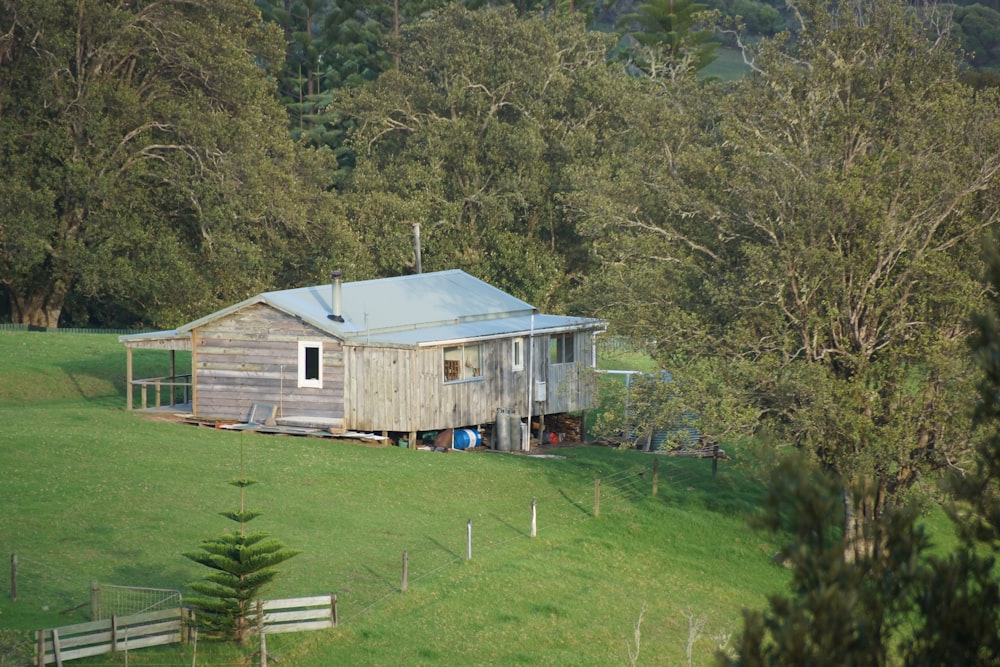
91,492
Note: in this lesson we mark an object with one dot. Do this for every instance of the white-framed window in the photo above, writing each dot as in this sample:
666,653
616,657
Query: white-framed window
463,362
517,354
561,348
311,364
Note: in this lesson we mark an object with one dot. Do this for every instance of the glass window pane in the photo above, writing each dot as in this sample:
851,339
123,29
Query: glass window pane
312,363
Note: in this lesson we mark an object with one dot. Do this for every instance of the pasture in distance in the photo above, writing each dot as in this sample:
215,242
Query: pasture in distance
92,492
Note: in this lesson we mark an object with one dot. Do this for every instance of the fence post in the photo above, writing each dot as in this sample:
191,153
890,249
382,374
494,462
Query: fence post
261,633
55,648
333,610
95,600
13,577
402,587
39,648
534,515
114,633
656,474
597,497
468,541
715,460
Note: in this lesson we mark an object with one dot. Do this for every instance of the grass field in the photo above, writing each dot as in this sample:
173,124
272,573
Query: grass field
727,66
92,492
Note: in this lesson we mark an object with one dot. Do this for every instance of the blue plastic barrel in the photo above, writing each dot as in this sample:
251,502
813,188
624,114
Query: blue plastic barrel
467,437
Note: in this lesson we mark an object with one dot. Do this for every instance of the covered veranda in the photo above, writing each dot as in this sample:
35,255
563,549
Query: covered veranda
170,389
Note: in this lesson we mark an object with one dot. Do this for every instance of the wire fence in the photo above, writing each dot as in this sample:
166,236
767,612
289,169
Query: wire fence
493,530
7,326
380,573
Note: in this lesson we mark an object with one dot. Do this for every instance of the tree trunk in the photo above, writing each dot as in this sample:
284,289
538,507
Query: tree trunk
861,512
40,307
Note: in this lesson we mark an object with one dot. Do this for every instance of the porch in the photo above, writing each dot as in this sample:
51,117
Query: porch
171,390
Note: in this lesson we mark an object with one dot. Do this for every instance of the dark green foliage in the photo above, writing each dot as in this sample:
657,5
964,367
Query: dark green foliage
243,563
664,35
840,611
329,46
474,137
809,235
759,18
142,147
897,604
978,30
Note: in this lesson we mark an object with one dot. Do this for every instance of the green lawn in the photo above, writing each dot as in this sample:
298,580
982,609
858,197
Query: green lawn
728,65
92,492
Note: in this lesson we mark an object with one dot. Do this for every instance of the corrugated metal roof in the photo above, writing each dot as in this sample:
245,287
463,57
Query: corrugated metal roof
411,310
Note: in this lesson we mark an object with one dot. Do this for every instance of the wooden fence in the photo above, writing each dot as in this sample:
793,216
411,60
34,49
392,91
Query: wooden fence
126,633
299,614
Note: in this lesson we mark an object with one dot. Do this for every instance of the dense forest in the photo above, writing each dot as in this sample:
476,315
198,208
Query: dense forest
802,244
142,167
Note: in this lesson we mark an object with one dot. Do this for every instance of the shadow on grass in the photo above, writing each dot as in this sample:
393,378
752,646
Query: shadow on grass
682,482
733,491
514,528
447,550
390,585
90,376
574,503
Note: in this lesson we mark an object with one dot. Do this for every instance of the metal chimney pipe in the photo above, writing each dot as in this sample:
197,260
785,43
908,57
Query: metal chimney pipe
336,277
418,262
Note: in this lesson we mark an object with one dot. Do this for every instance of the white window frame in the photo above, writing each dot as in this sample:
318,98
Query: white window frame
465,371
517,354
307,382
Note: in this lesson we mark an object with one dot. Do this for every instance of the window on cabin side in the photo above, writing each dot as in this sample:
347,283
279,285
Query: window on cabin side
517,354
310,364
463,362
561,348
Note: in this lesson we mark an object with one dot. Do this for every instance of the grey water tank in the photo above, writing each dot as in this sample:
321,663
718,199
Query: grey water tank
501,436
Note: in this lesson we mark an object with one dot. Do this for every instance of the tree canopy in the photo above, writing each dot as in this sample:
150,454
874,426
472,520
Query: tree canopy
902,603
141,146
809,240
473,137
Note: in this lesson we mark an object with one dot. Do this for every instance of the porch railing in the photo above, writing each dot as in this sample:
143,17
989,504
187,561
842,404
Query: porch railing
178,390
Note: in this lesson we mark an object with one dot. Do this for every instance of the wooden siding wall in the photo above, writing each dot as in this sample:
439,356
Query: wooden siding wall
252,357
404,390
569,386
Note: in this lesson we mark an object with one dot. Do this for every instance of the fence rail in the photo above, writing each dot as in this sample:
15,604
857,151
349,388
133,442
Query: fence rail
126,633
299,614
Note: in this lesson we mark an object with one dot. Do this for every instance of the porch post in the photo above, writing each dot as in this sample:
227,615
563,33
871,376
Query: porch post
128,373
173,375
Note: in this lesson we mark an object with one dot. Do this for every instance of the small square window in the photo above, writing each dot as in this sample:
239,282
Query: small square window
561,348
310,364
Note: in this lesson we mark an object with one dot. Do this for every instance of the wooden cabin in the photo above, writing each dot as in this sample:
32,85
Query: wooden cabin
400,356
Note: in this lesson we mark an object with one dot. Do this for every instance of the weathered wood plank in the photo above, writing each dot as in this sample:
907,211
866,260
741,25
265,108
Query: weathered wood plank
298,627
324,601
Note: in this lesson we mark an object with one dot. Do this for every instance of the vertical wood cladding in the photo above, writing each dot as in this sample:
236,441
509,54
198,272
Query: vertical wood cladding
251,356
